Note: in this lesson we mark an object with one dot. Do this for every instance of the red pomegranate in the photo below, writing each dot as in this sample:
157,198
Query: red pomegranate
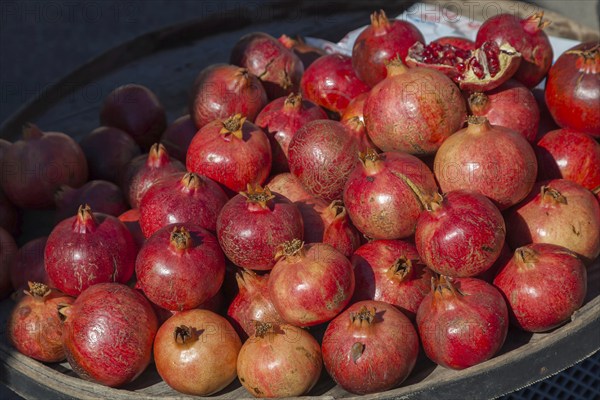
178,136
8,250
28,265
339,232
103,196
131,220
458,42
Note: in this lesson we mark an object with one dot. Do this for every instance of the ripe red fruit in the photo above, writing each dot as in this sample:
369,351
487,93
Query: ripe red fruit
462,322
8,250
131,220
233,152
573,89
253,224
339,232
492,160
354,120
432,108
28,265
362,343
307,53
103,196
456,41
544,285
381,42
178,136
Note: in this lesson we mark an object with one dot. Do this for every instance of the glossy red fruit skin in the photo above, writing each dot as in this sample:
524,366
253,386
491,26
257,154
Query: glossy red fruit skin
321,156
8,250
331,83
221,90
527,37
180,267
89,249
339,232
492,160
380,194
311,285
108,150
178,136
28,265
278,68
281,119
511,105
250,232
181,198
461,234
456,41
379,43
391,271
568,154
37,165
354,120
233,152
573,89
559,212
131,220
544,285
357,354
102,196
94,329
432,109
463,323
34,327
136,110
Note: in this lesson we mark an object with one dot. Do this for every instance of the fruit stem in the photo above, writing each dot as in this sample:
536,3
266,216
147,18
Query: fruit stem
180,238
395,67
552,196
535,22
588,61
371,161
184,334
191,182
435,203
232,126
525,255
478,124
31,131
293,103
37,289
246,279
257,196
337,209
290,249
363,318
85,220
443,287
158,156
380,22
401,270
479,103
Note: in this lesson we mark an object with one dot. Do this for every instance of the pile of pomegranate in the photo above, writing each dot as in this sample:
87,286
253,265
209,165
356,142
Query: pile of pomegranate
314,211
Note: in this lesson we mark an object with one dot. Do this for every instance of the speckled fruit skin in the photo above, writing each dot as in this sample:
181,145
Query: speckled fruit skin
430,110
544,285
312,286
568,154
221,90
108,334
381,42
232,161
390,339
250,234
511,105
178,136
379,198
8,250
321,156
492,160
559,212
331,82
284,362
198,367
391,271
180,278
463,324
180,198
573,89
460,234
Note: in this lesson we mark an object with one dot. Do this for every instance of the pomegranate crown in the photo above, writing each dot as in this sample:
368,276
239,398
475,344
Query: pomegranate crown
258,195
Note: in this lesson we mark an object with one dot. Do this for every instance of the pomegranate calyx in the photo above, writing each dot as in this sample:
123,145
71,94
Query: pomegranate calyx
588,61
85,220
293,102
535,22
232,126
380,22
371,161
395,66
37,290
180,238
158,156
442,287
64,310
256,195
183,334
478,103
435,203
401,269
191,182
289,249
552,196
525,256
478,124
356,351
337,209
31,131
287,41
363,318
245,279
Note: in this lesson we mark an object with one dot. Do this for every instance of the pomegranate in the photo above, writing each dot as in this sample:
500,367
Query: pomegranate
8,250
482,69
559,212
527,37
568,154
213,304
355,123
547,123
339,232
196,352
310,284
511,105
505,256
180,267
108,333
178,136
355,109
432,108
544,285
362,343
462,322
181,198
108,150
492,160
385,194
381,42
278,68
103,196
88,249
279,361
321,156
9,215
391,271
280,119
331,83
253,224
461,234
252,304
234,152
458,42
307,53
130,219
34,327
28,265
221,90
37,165
573,89
145,170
